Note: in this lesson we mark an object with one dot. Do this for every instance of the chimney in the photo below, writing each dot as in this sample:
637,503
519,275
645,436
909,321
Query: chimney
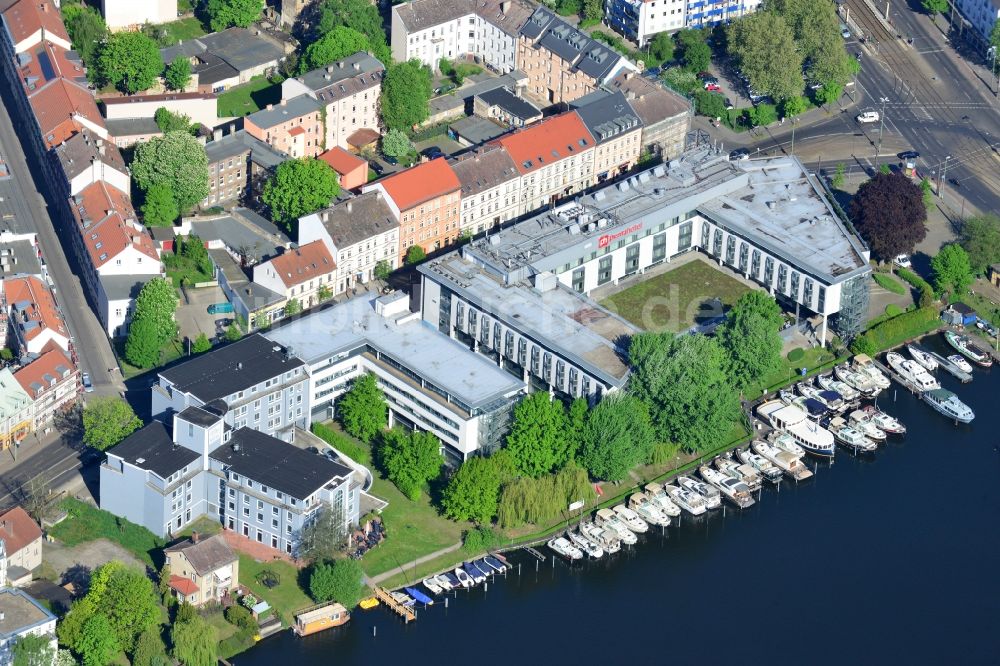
217,134
350,206
505,6
270,106
284,102
630,94
340,64
357,66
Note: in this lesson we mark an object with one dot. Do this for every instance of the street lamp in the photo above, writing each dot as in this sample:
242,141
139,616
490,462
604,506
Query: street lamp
881,126
944,170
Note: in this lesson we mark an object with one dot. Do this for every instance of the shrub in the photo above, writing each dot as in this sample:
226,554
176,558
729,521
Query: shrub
889,283
891,332
913,279
480,540
796,355
893,310
341,442
242,618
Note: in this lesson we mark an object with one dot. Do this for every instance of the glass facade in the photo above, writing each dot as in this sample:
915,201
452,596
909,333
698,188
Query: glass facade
854,295
683,238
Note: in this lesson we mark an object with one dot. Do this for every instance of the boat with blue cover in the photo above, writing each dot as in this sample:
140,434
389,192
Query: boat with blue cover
484,566
419,596
474,573
497,565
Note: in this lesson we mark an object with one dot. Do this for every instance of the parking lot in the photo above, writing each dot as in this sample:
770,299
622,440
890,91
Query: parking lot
192,312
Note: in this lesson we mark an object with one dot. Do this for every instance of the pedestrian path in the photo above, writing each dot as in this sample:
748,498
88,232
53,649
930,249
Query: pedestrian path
375,580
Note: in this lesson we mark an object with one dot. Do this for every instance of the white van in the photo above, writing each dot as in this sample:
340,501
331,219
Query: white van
868,117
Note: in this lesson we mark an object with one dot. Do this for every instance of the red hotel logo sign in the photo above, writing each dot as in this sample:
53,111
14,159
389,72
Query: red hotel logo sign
606,239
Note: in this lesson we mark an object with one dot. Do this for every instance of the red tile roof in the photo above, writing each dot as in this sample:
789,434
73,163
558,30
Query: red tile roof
34,75
343,161
548,141
107,223
56,103
18,529
183,585
304,263
34,303
295,131
421,183
45,372
27,17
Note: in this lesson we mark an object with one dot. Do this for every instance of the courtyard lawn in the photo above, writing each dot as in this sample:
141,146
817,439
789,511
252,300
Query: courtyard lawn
249,97
286,597
677,299
184,29
815,357
86,523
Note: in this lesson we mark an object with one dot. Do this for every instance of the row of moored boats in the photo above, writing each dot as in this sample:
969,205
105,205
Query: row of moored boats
469,574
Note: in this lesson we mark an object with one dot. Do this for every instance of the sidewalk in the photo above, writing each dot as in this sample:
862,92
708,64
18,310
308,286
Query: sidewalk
375,580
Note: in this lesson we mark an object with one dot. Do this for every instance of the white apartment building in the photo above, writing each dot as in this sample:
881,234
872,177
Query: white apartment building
490,189
299,273
132,14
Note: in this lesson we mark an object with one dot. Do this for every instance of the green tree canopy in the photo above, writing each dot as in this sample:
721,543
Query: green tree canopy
157,301
793,106
176,160
890,215
86,29
233,332
765,48
159,209
299,187
951,268
130,61
98,644
537,440
406,94
195,642
362,410
682,379
395,143
981,240
201,344
750,336
410,459
169,121
618,436
32,650
473,492
661,48
107,421
142,346
292,307
415,255
149,648
994,33
358,15
695,52
576,420
340,580
935,6
178,73
335,45
383,269
709,104
224,14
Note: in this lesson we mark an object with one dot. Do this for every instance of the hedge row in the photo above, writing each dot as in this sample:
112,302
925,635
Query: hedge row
341,442
889,283
896,330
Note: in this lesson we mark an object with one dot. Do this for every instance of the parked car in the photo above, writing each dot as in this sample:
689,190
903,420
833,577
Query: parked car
845,32
390,160
868,117
903,261
376,167
729,104
88,386
220,308
713,87
432,152
739,155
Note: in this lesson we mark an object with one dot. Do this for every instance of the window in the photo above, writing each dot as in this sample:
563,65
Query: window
744,252
717,243
246,511
768,271
632,259
731,250
579,276
604,271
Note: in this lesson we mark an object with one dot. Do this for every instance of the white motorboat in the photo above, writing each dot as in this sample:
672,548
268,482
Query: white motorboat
961,363
562,546
464,579
948,404
829,399
785,442
443,581
787,463
659,496
964,345
433,585
604,537
830,383
404,599
884,421
912,372
767,469
648,510
740,471
808,434
585,545
850,437
862,382
608,519
691,502
863,422
864,365
923,358
631,519
711,494
732,489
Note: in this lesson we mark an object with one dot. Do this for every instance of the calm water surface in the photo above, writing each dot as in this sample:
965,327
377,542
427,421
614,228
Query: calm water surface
892,559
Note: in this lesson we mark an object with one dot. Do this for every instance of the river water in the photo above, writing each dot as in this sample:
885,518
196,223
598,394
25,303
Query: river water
887,559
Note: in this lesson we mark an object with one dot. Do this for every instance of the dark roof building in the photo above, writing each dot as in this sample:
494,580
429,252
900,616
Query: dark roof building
152,448
606,115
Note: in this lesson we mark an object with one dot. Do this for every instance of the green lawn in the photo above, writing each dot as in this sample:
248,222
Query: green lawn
676,299
181,269
87,523
171,351
983,306
889,283
814,358
286,597
249,97
184,29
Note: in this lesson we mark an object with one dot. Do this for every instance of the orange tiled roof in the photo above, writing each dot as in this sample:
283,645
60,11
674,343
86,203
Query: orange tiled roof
34,74
548,141
304,263
295,131
27,17
107,222
34,303
18,529
183,585
342,161
44,372
423,182
56,103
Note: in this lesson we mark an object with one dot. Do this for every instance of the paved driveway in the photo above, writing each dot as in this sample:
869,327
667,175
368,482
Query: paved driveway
192,313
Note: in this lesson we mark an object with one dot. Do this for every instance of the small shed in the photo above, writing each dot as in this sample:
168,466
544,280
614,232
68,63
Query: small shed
959,314
995,275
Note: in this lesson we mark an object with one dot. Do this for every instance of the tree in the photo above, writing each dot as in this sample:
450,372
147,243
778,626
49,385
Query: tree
224,14
142,346
763,114
299,187
195,642
617,437
178,73
593,11
324,293
35,497
890,215
793,106
415,255
86,29
149,648
396,144
168,121
130,61
107,421
358,15
537,440
152,322
995,35
406,94
292,307
661,48
951,269
176,160
828,93
576,419
363,410
98,643
683,381
339,581
709,103
695,53
935,7
838,176
884,169
322,537
765,47
473,491
410,459
981,239
927,192
32,650
201,344
233,333
750,336
159,209
335,45
383,270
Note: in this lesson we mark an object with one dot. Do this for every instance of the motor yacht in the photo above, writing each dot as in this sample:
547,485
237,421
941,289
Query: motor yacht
885,422
691,502
433,585
806,433
863,422
631,519
922,357
912,372
659,496
831,400
961,363
830,383
767,469
787,463
606,538
864,365
861,382
850,437
785,442
732,489
947,403
740,471
562,546
608,519
711,494
964,345
464,579
585,545
647,510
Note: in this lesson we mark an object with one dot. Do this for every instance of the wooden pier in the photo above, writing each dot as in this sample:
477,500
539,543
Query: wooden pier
532,551
948,366
404,612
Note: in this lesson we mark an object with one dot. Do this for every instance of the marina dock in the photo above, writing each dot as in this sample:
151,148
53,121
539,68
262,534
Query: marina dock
947,365
404,612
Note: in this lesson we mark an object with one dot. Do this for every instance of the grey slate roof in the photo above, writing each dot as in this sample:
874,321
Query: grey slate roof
574,46
607,115
368,216
484,169
18,257
251,294
76,153
511,103
477,130
536,24
422,14
280,113
205,555
243,228
354,73
132,126
240,48
240,142
277,464
151,448
122,287
511,21
457,99
651,101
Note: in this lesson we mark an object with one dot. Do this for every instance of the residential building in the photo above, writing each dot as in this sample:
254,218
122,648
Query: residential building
359,233
457,103
21,615
293,127
348,90
15,411
554,158
52,381
29,22
288,11
32,314
263,386
300,273
200,107
127,132
665,115
640,20
982,14
425,199
563,63
431,383
352,171
238,166
254,484
85,159
133,14
708,13
490,188
20,255
22,542
616,129
202,569
501,104
221,60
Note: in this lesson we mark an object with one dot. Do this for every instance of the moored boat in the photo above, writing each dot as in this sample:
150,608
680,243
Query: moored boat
947,403
495,563
433,585
889,424
863,364
419,596
831,400
659,496
861,382
404,599
647,510
863,422
631,519
922,357
606,518
561,546
787,463
585,545
710,494
732,489
830,383
782,440
691,502
912,372
475,574
319,618
740,471
767,469
815,439
961,363
445,581
464,579
606,538
964,345
850,437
